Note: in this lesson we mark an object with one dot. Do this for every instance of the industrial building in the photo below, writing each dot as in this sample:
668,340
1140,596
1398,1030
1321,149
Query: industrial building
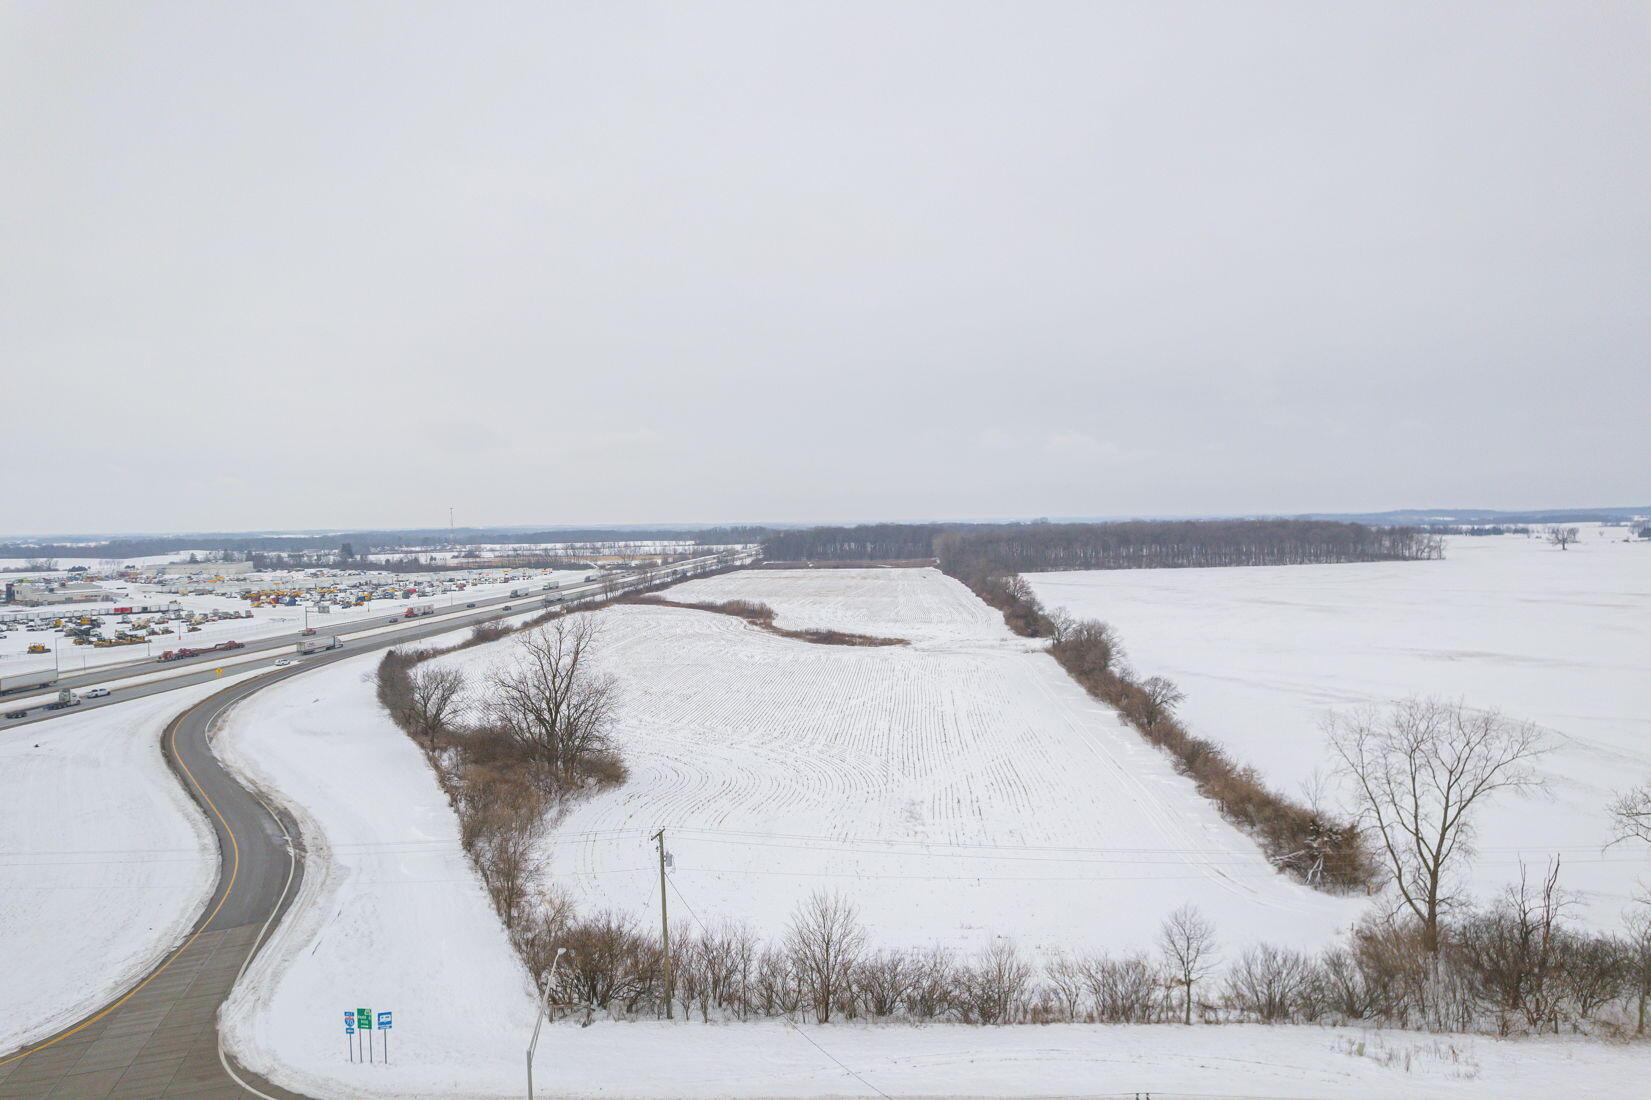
36,594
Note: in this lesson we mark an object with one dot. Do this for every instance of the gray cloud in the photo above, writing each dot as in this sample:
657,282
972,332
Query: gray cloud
602,263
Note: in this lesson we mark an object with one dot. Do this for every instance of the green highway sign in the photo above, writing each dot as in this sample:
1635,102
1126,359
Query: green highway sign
364,1019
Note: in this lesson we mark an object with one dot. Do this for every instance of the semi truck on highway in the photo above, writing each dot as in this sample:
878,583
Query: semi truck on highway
318,645
23,681
180,654
421,609
65,698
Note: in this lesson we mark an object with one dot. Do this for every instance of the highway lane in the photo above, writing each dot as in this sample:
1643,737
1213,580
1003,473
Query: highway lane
160,1038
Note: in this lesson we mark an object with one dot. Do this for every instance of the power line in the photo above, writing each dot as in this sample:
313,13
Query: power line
786,1019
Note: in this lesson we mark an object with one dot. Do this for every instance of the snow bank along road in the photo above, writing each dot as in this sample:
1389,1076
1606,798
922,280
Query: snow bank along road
159,1038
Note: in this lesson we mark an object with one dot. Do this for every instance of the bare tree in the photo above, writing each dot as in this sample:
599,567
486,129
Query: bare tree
1513,952
1271,983
502,836
1637,960
1123,991
1162,697
552,703
1563,537
1188,943
885,980
933,979
993,990
434,698
1090,649
1064,979
1419,770
824,941
1631,814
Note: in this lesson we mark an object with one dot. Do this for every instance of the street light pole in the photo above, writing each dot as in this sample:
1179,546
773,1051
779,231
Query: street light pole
539,1017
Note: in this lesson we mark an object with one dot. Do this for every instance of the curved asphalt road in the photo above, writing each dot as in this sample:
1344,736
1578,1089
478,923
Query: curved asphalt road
161,1037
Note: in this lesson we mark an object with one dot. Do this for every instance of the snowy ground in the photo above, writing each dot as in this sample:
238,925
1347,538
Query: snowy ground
772,1059
1560,638
390,916
105,863
959,788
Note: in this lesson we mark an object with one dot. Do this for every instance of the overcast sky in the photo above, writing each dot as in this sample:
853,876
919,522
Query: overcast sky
276,266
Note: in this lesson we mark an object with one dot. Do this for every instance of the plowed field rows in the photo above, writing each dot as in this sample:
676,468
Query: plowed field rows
958,788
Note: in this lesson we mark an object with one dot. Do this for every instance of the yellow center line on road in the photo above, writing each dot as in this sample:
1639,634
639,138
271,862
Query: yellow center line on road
234,869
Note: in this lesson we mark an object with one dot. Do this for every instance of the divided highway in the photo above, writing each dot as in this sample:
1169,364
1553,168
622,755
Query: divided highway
160,1038
195,670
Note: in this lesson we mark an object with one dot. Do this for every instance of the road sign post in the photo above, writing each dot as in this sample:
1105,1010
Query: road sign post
384,1022
364,1022
349,1034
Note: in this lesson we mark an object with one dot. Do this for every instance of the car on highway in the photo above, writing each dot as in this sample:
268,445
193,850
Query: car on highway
470,605
97,693
507,607
285,661
17,714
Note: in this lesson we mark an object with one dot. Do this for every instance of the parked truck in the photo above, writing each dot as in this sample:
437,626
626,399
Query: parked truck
318,645
23,681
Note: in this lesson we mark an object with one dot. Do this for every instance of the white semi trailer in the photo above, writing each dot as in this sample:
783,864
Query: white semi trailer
23,681
319,645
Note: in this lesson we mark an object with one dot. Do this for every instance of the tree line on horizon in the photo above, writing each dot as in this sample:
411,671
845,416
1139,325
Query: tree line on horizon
1134,544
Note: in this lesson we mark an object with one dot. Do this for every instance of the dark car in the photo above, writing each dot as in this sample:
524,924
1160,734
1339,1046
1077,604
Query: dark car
17,714
470,605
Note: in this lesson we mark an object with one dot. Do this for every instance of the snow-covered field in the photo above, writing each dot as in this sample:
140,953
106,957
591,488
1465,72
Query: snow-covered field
105,863
390,915
916,604
959,788
1560,638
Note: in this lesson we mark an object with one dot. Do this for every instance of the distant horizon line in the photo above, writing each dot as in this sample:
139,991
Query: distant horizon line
1414,515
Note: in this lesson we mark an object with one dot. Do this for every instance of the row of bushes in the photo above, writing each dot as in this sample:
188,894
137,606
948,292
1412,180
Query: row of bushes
1303,840
1500,972
761,615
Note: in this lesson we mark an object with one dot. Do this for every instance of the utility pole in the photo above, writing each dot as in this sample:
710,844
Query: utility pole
665,927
